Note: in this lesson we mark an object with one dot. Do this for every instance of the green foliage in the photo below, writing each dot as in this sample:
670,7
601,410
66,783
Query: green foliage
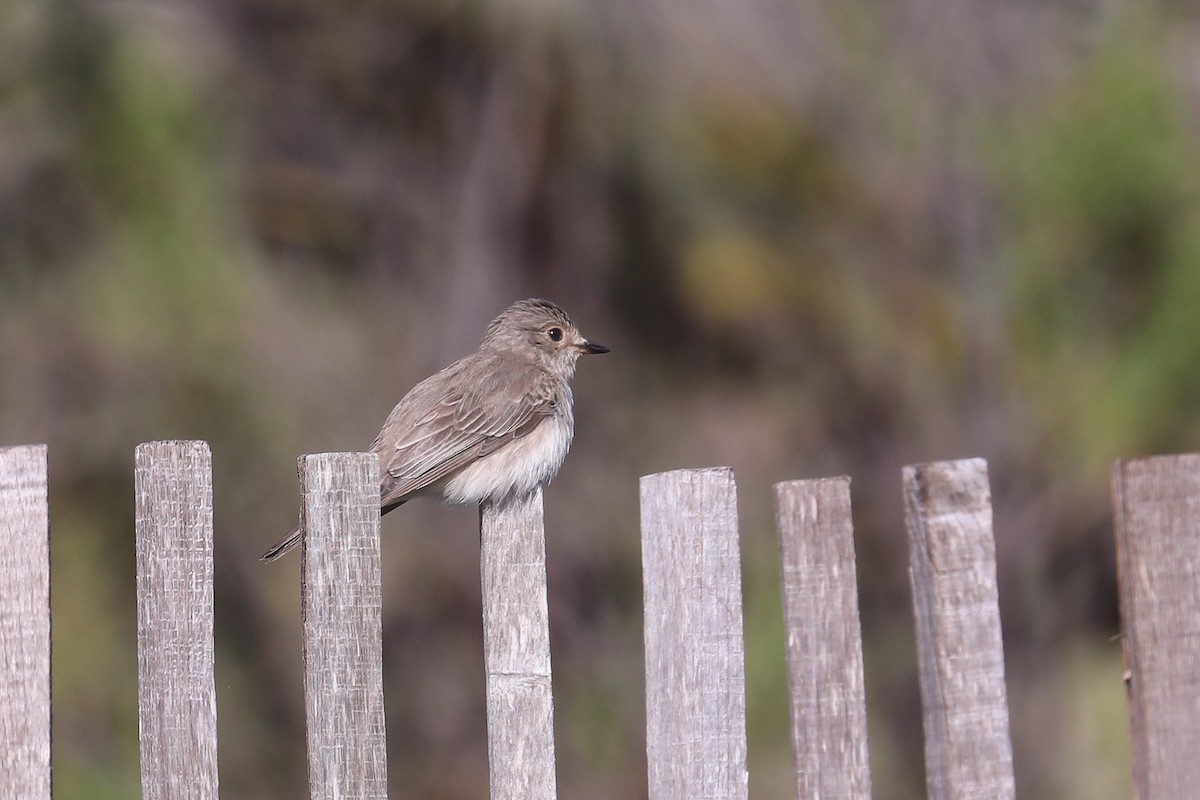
167,279
1094,722
803,295
1101,185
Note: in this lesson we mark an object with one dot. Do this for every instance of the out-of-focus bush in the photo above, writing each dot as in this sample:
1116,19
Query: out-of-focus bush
820,239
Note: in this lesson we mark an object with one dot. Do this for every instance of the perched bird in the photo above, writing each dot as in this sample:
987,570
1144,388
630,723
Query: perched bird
492,425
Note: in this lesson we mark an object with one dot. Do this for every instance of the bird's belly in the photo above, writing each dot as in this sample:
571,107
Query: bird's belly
514,469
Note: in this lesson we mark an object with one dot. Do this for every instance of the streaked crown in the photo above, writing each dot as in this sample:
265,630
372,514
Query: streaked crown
541,331
526,315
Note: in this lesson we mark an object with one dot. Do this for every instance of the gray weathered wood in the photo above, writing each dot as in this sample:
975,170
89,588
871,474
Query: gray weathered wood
952,565
1157,508
695,666
516,643
24,625
824,639
343,626
176,694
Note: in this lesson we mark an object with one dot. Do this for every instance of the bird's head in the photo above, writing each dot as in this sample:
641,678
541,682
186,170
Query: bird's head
540,330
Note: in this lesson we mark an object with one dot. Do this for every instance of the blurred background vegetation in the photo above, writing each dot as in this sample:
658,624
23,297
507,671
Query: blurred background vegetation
821,238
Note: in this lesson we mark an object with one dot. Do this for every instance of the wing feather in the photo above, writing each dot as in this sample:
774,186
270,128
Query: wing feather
471,418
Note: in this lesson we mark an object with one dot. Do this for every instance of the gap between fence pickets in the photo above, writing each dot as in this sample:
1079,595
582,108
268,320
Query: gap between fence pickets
24,624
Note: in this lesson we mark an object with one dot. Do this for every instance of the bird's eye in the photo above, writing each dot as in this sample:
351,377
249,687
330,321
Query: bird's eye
555,334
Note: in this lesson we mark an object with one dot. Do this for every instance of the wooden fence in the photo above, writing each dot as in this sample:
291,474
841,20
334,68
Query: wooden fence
695,677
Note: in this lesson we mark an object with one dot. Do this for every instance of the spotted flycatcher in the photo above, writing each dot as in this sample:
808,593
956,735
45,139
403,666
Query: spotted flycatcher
493,425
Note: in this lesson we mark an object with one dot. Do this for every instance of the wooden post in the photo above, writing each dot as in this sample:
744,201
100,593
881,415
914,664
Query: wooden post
695,665
952,565
24,625
1157,507
177,699
824,639
516,643
343,626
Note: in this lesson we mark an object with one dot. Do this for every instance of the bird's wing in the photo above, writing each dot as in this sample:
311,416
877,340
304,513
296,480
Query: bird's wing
466,423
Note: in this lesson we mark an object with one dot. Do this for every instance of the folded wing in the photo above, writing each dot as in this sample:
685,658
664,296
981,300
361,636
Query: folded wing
467,422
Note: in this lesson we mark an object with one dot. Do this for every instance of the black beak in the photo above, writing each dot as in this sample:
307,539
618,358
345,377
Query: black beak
592,347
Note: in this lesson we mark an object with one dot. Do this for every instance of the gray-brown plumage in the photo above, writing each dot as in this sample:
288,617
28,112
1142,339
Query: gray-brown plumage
489,426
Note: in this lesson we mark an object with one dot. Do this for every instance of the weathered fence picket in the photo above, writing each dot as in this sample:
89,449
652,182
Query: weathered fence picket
695,667
343,626
1157,509
24,625
960,657
177,697
695,673
516,643
824,639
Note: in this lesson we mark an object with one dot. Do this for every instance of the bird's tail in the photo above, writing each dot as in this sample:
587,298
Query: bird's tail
283,545
293,538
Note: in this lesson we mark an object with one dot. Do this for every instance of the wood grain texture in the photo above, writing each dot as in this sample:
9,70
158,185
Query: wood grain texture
343,626
695,665
952,565
1157,509
24,625
176,693
516,642
824,639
